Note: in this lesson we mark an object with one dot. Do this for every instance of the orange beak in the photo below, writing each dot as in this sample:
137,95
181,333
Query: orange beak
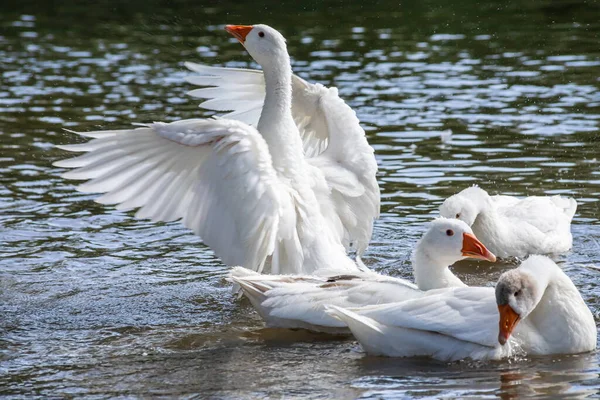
508,320
473,248
239,31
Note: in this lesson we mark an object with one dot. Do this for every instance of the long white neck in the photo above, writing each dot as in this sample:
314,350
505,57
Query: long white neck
487,222
492,228
276,124
431,272
561,318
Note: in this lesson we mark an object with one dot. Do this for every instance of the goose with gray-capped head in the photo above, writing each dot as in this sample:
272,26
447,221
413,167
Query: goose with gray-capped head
249,190
535,309
515,227
297,301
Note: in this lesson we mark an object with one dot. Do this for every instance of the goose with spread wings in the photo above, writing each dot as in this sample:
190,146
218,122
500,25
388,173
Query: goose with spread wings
285,183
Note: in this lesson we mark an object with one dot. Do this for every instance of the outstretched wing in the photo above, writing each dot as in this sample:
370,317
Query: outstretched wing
214,175
347,161
333,139
240,91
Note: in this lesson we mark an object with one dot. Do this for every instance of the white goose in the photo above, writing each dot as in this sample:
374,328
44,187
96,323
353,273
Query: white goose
335,146
513,227
534,309
298,301
250,193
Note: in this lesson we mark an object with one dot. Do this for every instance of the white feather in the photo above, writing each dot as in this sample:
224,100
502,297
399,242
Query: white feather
333,140
192,170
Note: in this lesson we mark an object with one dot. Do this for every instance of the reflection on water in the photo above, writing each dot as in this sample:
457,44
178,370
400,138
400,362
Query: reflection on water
555,376
93,302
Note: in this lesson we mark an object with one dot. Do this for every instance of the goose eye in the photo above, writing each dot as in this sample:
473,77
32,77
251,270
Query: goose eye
457,215
261,34
517,293
450,232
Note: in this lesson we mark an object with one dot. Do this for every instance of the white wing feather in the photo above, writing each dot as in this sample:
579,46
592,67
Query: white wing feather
347,163
333,139
195,170
548,214
242,90
281,299
468,313
377,338
299,301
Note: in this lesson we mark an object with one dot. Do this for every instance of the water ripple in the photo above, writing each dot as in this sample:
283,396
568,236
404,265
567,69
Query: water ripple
96,303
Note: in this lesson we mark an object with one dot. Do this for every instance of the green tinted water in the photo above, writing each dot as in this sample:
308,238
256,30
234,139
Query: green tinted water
93,302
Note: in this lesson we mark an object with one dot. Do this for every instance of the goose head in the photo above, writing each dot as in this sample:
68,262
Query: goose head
446,242
450,240
262,42
517,294
539,291
465,205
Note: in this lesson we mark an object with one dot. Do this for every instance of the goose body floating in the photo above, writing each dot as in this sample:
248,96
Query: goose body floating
288,183
535,309
515,227
298,301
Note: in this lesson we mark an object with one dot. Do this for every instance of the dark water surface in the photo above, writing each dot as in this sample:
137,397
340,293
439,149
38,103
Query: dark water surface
93,302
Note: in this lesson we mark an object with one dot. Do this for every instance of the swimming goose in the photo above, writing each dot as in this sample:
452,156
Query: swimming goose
335,146
297,301
535,309
250,193
513,227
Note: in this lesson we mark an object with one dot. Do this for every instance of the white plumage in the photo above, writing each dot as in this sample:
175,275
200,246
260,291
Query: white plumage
245,185
298,301
334,143
456,323
515,227
198,171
